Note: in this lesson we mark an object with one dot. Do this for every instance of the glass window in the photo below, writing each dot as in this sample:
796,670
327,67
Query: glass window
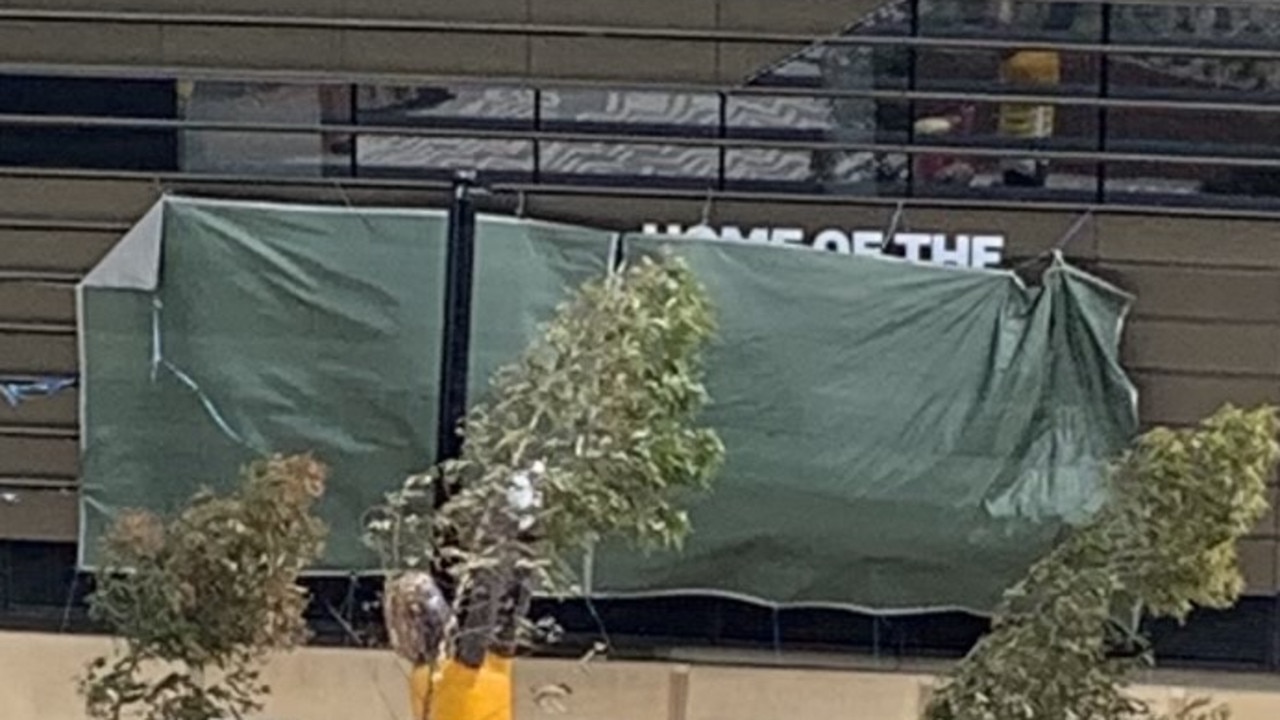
631,112
1184,77
83,146
952,173
1192,131
817,119
1237,25
471,106
1170,183
817,171
253,152
839,65
1019,19
404,156
1016,72
1234,24
644,165
848,114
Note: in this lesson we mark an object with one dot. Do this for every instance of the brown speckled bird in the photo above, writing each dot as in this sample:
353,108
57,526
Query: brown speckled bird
417,616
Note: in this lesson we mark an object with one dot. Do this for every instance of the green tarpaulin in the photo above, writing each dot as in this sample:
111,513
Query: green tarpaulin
899,436
219,331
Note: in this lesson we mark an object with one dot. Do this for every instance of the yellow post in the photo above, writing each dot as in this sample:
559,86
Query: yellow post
458,692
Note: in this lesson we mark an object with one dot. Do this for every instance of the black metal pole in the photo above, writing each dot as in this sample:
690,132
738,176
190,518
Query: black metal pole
455,357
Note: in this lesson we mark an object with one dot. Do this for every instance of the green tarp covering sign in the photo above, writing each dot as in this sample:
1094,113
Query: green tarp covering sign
899,437
217,331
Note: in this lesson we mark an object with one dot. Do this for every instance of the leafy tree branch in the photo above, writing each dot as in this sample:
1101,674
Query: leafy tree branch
1179,501
591,434
200,600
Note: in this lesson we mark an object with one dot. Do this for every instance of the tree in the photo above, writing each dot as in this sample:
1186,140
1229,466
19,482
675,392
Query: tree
1164,542
199,601
591,434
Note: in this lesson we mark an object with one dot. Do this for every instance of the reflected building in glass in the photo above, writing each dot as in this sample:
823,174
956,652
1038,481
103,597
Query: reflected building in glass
1125,103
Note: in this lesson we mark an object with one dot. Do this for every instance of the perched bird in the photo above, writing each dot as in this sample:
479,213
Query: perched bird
417,616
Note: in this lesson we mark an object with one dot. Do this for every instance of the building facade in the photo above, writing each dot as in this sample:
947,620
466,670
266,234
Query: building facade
1137,137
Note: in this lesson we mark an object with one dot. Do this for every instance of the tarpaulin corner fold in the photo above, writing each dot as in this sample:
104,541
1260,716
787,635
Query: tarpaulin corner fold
900,437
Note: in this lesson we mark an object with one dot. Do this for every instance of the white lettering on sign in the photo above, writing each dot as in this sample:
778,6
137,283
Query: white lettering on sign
960,250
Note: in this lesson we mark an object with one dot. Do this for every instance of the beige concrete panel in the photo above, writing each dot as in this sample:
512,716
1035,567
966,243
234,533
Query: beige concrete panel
45,666
1247,704
38,457
70,251
738,62
816,17
268,48
473,11
751,694
1258,565
35,302
1182,399
39,515
498,11
65,199
595,58
1198,293
318,684
679,14
616,691
1200,242
434,53
1174,346
60,411
36,353
79,42
191,7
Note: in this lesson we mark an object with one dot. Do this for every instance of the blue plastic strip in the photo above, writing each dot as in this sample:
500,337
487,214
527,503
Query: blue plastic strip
16,392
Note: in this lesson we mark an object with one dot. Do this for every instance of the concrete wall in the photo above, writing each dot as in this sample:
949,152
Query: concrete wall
540,38
324,684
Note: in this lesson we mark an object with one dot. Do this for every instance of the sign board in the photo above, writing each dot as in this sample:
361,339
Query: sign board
975,250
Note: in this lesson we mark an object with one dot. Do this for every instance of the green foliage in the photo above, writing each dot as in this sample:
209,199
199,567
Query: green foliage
1165,541
200,600
602,410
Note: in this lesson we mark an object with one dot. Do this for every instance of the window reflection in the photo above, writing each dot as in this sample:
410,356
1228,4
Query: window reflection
1193,184
1236,24
260,152
406,156
1023,19
1186,76
630,111
464,105
807,171
840,97
1021,72
650,165
1194,132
